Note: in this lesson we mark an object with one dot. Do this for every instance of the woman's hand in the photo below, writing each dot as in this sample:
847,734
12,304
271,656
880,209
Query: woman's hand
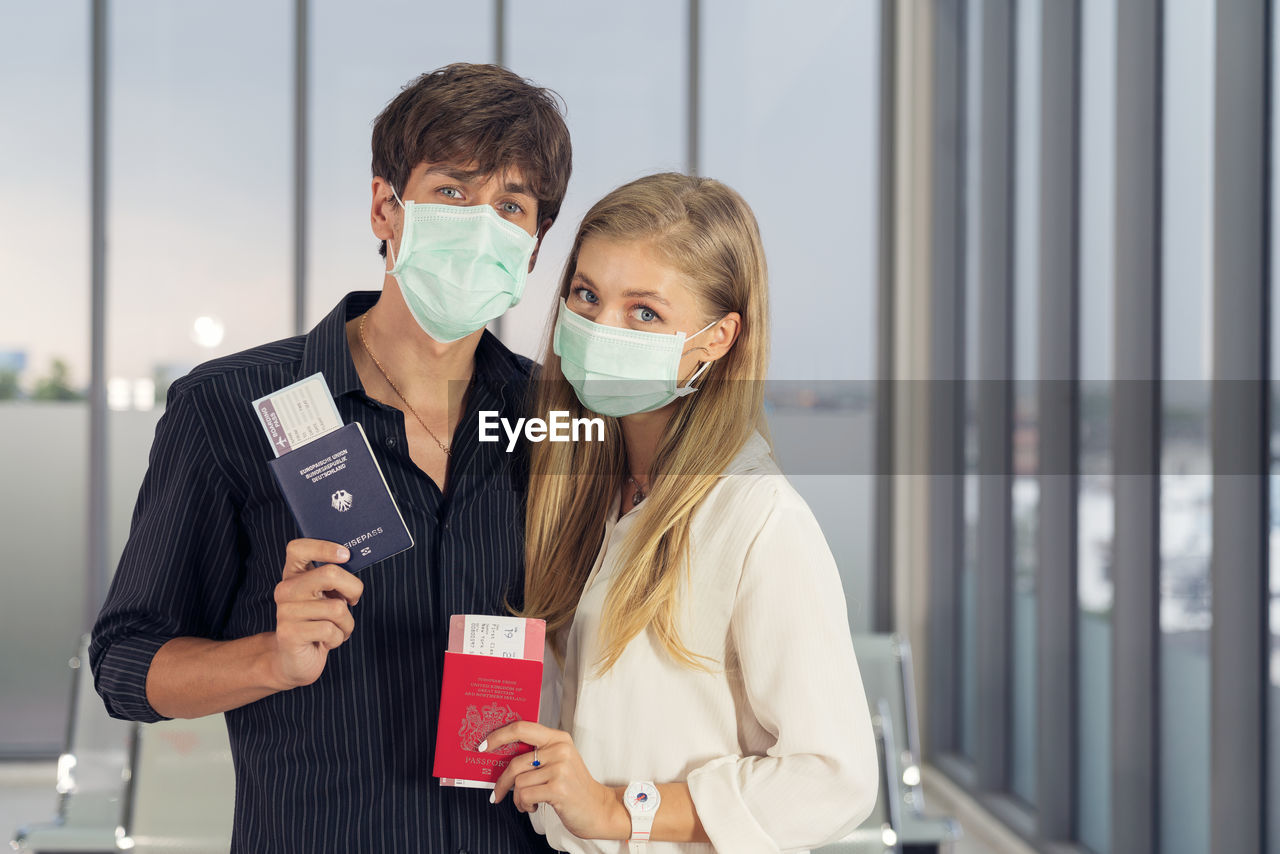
587,809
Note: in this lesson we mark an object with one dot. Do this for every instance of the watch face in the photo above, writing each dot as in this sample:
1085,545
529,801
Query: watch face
642,797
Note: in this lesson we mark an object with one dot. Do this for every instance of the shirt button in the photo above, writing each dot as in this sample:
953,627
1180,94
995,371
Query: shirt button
391,441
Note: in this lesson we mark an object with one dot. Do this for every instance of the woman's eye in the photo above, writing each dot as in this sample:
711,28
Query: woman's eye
585,295
646,314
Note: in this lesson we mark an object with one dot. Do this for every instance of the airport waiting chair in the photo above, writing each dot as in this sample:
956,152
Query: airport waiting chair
879,832
92,777
887,675
164,788
183,788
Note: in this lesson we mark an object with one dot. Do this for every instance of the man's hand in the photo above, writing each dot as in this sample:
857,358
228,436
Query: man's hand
191,677
313,609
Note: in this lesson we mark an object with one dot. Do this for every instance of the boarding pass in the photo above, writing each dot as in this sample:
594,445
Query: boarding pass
297,414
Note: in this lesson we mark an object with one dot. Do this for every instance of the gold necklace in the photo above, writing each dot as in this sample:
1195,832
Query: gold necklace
365,343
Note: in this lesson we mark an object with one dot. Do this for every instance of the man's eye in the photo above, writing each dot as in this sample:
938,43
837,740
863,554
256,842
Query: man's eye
512,208
451,192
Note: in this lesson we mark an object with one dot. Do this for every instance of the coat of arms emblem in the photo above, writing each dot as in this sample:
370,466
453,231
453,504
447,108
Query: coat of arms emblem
478,723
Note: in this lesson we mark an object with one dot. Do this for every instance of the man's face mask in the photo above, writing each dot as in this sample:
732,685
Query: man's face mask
459,267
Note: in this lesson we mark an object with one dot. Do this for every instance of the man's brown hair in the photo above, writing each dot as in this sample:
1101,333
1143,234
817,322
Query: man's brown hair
477,114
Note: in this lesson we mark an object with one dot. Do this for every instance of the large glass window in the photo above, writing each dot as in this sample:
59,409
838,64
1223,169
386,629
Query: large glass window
200,223
623,76
1182,52
1026,341
44,363
809,166
1095,507
1185,481
361,54
199,218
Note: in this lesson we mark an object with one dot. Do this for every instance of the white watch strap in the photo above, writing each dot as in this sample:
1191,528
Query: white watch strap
640,836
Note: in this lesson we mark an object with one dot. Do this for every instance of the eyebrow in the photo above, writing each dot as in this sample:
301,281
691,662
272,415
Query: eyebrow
630,294
467,177
517,189
452,172
650,295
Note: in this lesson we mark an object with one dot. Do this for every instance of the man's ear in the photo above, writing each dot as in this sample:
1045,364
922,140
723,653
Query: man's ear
382,212
542,232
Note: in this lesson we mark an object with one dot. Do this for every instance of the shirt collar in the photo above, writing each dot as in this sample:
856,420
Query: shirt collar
326,351
755,457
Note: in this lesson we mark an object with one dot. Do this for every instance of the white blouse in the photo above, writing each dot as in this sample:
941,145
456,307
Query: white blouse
775,742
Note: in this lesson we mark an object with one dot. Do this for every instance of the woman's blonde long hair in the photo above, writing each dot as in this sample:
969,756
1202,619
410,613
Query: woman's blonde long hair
704,230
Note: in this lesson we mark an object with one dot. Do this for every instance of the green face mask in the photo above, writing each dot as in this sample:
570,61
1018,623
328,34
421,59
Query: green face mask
459,267
617,371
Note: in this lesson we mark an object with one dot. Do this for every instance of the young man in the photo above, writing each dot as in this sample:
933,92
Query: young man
330,682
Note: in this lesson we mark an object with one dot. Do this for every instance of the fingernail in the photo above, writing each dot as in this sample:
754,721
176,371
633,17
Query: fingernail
483,746
492,798
343,555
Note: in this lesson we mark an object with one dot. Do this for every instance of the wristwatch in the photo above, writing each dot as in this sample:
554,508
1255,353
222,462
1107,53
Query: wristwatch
641,800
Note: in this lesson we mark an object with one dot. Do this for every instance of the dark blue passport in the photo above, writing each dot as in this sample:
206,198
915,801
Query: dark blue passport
337,492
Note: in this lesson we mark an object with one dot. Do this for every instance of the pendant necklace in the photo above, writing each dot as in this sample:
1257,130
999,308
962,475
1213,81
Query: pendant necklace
365,343
639,493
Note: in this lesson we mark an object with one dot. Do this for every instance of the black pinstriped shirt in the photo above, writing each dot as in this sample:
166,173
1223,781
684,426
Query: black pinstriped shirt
344,764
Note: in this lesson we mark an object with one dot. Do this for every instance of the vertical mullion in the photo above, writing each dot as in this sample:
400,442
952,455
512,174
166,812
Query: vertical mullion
1136,430
98,571
994,570
300,85
499,58
1238,636
1059,289
499,33
882,619
693,102
946,426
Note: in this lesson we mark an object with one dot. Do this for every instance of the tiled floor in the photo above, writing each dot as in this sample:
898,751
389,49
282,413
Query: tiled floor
27,795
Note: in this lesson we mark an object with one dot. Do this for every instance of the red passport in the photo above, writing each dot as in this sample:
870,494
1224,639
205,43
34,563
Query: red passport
497,680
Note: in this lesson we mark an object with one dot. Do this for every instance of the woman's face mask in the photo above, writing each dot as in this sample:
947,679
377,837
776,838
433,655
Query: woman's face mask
459,267
616,371
625,332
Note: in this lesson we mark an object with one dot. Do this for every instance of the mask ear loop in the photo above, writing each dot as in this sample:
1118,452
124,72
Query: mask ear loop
705,365
397,198
697,373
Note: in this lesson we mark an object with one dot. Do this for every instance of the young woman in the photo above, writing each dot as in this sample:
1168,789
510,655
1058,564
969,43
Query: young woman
709,691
